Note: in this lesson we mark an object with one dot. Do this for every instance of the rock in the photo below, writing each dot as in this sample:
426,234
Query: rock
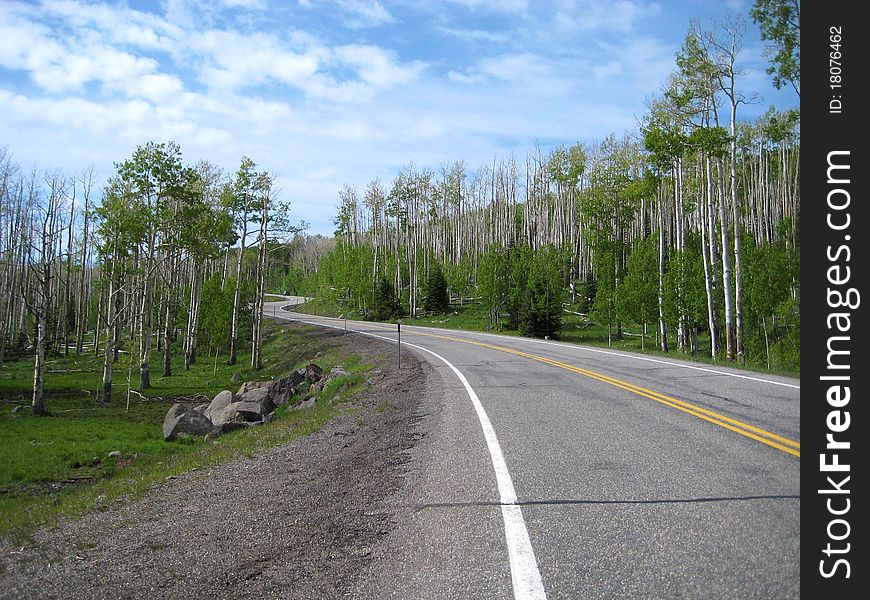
268,418
313,373
297,377
337,371
220,402
252,385
180,421
235,378
200,408
250,411
307,403
115,454
261,396
226,428
227,414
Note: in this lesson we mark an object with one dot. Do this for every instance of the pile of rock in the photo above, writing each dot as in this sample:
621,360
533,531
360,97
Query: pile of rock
253,404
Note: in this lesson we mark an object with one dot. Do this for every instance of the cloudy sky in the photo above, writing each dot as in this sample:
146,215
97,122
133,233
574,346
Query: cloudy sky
328,92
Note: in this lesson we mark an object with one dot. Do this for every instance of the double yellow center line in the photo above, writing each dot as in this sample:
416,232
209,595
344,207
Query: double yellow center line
779,442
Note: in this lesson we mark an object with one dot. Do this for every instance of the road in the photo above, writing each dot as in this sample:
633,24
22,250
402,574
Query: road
562,471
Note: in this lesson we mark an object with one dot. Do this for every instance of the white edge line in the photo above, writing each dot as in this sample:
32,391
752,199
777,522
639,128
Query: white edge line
611,352
525,576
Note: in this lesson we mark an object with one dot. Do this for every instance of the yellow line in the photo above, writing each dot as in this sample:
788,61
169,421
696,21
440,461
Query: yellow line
756,433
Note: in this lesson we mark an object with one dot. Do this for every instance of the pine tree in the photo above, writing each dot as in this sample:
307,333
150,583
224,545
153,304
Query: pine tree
435,296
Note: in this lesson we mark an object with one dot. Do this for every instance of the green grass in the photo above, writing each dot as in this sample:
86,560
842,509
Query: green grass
59,465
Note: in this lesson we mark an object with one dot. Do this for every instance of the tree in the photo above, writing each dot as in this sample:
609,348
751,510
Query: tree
638,291
780,23
386,305
541,307
155,181
435,297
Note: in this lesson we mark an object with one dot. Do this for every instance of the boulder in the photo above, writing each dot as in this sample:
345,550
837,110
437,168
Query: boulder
296,377
200,408
180,422
227,414
307,403
287,387
227,427
251,412
235,378
220,402
337,371
313,373
261,396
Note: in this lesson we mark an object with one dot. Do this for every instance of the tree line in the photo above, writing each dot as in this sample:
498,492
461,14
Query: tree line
688,226
166,260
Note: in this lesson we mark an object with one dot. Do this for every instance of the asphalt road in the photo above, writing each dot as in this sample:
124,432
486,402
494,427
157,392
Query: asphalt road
564,471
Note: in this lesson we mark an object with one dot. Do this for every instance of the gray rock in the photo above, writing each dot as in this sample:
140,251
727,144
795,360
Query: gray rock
337,371
261,396
200,408
115,454
268,418
228,427
180,421
250,411
235,378
220,402
227,414
297,377
307,403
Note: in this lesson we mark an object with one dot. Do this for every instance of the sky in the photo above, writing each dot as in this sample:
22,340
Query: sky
323,93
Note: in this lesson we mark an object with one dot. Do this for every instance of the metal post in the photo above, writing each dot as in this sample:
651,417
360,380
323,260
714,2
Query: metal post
399,330
345,324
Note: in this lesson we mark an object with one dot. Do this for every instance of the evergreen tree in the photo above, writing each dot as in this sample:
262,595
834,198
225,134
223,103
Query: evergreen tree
386,305
435,297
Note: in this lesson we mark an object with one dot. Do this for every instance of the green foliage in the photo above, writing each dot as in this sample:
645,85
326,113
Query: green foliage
541,302
637,296
216,311
771,284
386,305
435,297
779,21
494,283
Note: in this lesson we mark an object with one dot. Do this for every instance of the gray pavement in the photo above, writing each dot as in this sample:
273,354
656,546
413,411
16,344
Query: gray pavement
622,496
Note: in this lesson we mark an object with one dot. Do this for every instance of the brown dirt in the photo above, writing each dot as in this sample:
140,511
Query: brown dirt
301,520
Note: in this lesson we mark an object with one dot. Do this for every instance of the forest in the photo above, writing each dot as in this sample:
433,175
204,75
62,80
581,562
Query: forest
169,260
684,233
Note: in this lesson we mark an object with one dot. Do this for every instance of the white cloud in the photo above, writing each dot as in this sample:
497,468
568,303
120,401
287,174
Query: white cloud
376,66
248,4
475,35
365,13
509,6
597,15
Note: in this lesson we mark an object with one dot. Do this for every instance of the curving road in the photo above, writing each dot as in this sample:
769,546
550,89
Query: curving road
563,471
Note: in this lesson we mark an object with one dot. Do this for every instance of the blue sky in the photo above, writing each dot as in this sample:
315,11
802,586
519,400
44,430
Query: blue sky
328,92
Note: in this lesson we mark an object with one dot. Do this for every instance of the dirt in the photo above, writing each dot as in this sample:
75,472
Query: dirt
302,520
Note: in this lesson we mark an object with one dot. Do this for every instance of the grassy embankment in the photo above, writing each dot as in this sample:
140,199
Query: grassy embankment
59,465
577,329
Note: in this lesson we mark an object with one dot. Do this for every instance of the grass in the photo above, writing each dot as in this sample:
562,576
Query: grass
59,465
576,329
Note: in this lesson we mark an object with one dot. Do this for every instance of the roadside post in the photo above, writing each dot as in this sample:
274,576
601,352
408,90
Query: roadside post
399,331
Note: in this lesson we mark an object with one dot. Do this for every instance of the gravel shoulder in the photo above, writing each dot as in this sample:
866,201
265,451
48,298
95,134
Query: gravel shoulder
307,519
